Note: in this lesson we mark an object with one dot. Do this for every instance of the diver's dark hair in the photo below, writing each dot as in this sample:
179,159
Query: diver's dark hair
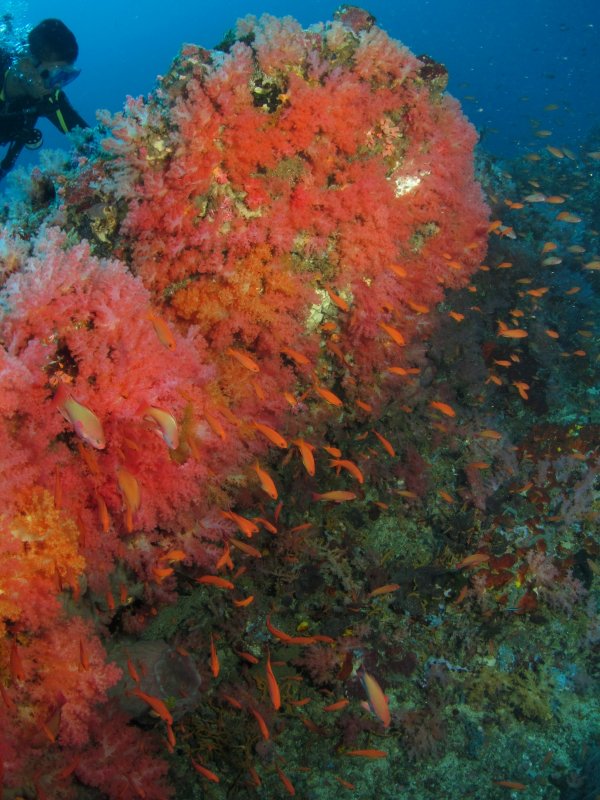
51,40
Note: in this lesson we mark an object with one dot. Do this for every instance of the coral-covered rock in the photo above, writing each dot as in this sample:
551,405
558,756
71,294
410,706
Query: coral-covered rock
276,223
303,177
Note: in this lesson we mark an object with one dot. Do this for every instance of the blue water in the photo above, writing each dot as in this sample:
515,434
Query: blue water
506,60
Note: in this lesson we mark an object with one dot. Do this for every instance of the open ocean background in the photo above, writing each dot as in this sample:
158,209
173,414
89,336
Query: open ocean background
507,61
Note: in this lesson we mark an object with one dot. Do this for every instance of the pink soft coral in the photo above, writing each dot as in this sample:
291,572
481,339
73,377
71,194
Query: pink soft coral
57,691
84,322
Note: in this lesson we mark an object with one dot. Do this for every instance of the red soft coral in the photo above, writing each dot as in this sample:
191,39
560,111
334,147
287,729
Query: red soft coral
122,762
328,148
58,692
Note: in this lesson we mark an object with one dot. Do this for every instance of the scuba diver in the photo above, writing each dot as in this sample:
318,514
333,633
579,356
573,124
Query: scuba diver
31,86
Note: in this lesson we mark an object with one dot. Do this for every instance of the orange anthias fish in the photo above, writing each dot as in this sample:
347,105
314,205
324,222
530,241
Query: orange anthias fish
473,560
393,333
304,701
215,426
103,513
206,773
274,692
267,525
51,727
162,330
266,481
335,496
567,216
271,434
214,658
446,496
296,356
512,333
548,247
155,703
286,638
244,602
337,706
132,498
254,776
385,589
386,444
522,388
488,433
171,740
287,784
215,580
160,573
337,299
262,725
444,408
232,701
306,454
398,270
246,548
85,423
540,292
247,526
377,700
418,308
328,396
165,423
350,466
173,555
244,359
90,459
224,559
515,785
133,673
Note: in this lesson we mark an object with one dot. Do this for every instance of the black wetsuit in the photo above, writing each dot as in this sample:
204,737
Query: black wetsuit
18,117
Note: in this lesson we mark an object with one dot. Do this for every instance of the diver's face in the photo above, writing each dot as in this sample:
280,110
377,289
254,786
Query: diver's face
26,79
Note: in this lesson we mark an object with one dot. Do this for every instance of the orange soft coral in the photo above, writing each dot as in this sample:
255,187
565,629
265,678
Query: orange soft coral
39,554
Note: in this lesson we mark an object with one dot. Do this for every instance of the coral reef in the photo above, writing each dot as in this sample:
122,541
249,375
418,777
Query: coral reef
296,494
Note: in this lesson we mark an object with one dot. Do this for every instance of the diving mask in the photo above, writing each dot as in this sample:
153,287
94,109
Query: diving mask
59,76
